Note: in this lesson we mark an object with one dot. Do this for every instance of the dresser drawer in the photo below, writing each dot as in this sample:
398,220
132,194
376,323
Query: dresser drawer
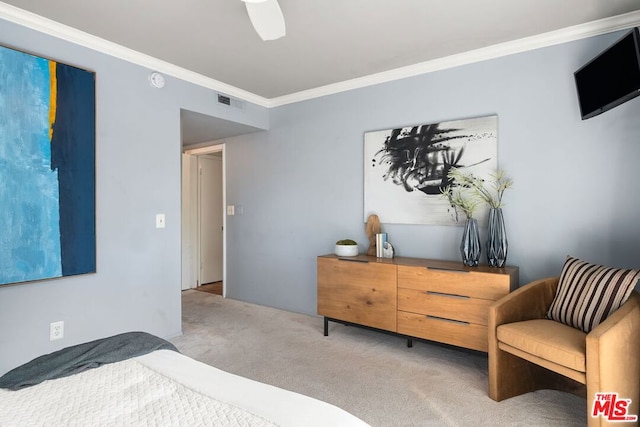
359,292
462,334
457,282
448,306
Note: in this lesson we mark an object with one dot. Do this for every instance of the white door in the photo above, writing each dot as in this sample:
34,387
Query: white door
210,218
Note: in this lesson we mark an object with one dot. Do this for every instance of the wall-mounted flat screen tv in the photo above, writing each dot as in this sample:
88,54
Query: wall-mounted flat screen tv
611,78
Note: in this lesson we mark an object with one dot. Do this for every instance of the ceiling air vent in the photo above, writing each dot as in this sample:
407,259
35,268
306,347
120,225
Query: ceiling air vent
232,102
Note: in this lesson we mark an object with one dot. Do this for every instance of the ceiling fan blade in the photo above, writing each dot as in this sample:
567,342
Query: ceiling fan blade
267,19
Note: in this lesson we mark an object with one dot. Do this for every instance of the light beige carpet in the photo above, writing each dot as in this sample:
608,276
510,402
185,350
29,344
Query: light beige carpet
371,374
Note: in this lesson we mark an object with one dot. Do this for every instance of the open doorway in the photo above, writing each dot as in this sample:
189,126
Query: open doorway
202,135
203,219
210,222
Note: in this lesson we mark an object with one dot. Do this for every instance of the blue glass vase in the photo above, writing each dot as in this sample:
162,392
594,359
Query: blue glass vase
470,245
497,244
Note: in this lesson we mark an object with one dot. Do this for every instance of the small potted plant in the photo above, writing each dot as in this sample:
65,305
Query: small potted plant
346,247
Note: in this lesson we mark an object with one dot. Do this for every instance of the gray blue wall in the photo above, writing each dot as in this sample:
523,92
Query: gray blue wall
138,162
301,183
300,186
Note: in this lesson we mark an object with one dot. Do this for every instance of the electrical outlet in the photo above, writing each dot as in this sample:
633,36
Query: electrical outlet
56,330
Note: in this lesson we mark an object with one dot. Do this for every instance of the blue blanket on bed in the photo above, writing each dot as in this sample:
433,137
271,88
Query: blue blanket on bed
75,359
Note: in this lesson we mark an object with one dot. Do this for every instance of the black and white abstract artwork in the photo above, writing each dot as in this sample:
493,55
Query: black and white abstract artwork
406,169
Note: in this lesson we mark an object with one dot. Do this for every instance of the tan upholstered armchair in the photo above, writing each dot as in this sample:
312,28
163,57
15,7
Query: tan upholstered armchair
522,340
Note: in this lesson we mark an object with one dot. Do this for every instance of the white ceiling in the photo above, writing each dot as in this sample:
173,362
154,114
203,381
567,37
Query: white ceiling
327,41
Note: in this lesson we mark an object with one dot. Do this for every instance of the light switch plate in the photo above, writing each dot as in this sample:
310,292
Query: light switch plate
160,221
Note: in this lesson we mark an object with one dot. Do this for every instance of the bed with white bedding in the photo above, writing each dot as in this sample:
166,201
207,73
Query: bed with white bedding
158,388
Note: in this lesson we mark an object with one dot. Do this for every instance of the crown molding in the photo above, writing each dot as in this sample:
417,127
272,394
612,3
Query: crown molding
64,32
594,28
73,35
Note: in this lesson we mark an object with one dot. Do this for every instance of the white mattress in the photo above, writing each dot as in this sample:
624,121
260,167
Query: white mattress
164,388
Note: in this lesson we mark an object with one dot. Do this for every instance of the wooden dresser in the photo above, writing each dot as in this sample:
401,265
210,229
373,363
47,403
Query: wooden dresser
441,301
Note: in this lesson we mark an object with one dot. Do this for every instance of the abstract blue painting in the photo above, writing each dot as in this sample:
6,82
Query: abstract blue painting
47,168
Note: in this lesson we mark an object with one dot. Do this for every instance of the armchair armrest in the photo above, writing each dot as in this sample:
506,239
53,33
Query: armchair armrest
510,375
528,302
613,355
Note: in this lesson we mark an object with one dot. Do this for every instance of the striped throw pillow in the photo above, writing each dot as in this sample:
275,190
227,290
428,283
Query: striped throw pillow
588,293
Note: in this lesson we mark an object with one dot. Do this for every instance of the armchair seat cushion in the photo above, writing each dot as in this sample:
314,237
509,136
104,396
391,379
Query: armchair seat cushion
548,340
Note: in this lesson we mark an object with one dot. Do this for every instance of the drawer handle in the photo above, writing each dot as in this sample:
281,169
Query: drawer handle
452,269
353,260
442,294
459,322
